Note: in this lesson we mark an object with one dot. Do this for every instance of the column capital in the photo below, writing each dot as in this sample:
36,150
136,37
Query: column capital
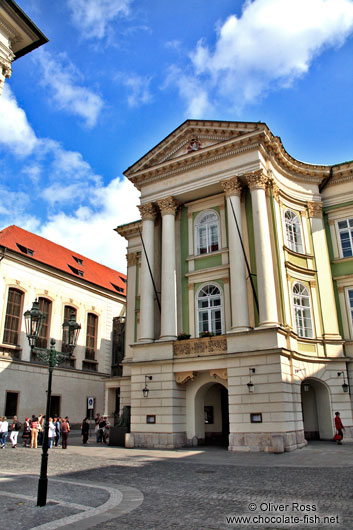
131,259
232,186
168,205
315,209
257,179
147,211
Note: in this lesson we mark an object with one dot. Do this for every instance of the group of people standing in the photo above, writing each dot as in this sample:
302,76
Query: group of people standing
33,431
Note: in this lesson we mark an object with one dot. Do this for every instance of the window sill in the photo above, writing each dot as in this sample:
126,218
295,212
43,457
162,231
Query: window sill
208,254
299,254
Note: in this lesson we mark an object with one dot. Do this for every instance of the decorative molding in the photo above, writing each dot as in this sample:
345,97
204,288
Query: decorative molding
315,209
312,283
199,347
182,377
131,259
168,206
232,186
257,180
147,211
191,286
275,189
221,373
340,289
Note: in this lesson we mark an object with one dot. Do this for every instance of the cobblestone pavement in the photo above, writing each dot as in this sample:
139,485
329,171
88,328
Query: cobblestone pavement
184,489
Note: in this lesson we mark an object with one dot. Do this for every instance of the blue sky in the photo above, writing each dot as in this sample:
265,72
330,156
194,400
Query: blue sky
119,75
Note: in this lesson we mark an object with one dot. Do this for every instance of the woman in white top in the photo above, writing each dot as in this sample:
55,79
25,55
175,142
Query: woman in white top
4,429
51,433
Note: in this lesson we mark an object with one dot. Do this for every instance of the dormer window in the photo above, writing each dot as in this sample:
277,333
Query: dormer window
207,232
122,279
78,260
119,289
25,250
76,271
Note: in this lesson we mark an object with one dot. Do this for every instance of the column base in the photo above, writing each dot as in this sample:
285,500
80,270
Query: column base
239,329
145,340
163,338
271,442
160,440
268,325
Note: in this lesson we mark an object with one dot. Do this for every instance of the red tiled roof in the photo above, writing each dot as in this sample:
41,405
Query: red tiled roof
58,257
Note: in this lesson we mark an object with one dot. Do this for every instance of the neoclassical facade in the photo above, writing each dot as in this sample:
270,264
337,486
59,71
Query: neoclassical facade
18,36
231,255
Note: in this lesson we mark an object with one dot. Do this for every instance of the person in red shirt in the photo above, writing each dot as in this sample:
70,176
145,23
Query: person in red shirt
65,429
339,428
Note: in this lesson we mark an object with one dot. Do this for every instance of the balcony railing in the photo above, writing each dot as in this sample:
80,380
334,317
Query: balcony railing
10,353
199,347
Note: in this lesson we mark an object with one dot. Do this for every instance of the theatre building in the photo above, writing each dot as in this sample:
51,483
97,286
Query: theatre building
233,334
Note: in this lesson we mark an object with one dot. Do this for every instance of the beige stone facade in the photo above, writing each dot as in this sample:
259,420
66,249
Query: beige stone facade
237,247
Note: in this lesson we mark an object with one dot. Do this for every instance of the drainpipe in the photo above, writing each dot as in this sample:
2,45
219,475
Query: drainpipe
326,180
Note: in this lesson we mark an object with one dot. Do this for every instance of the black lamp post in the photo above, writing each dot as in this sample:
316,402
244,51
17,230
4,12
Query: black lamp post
33,320
146,390
345,386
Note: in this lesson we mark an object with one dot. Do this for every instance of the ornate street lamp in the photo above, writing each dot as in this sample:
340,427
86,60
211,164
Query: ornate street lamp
250,384
34,319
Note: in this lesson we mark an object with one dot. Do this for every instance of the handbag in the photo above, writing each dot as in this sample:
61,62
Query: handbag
337,437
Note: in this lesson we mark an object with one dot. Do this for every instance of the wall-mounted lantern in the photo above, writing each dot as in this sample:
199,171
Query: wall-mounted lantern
345,386
250,384
145,390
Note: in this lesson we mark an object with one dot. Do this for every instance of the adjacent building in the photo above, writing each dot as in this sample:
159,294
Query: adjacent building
63,281
232,255
18,36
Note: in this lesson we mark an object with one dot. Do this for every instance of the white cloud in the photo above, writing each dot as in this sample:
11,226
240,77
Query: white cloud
94,18
90,231
138,88
62,79
15,131
55,178
271,44
191,90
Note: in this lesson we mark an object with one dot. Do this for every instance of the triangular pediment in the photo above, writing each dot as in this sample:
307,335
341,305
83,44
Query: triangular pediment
192,136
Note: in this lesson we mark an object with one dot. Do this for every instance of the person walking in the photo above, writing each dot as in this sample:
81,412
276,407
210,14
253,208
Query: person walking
57,432
51,433
40,428
34,432
4,431
65,429
15,429
96,428
85,431
339,428
26,432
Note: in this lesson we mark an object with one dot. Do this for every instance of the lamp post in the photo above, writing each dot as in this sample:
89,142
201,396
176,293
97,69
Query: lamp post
146,390
33,320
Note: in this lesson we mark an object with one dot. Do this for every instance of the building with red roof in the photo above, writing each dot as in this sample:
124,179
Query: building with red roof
63,281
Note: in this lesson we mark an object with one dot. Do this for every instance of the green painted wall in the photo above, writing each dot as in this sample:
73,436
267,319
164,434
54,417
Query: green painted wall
208,261
336,206
184,248
276,231
339,313
328,235
342,268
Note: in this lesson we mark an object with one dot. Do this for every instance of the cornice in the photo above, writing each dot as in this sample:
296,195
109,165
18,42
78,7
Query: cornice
129,230
263,140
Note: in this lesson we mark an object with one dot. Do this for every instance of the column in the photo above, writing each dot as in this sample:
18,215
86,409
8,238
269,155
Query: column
148,215
238,287
264,265
168,208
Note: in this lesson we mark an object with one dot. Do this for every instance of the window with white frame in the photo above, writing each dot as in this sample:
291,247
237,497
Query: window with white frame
302,311
293,231
345,231
209,310
207,232
350,301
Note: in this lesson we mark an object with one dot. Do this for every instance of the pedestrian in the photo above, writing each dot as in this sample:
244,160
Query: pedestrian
51,433
34,432
26,432
102,424
85,430
339,428
106,430
4,431
58,432
41,422
65,429
15,429
96,428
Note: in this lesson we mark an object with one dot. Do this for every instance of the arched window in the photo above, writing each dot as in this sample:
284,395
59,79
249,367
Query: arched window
207,232
302,311
13,317
209,310
45,307
293,231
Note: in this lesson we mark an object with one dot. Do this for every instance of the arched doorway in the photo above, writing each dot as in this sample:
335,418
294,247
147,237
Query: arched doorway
316,409
211,415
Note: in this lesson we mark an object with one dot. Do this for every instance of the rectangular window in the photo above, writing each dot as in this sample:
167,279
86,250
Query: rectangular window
13,317
345,230
11,404
45,308
91,338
